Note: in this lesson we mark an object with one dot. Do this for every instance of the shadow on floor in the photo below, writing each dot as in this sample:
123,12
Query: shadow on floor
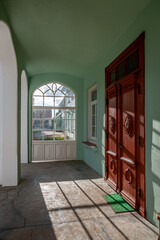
64,200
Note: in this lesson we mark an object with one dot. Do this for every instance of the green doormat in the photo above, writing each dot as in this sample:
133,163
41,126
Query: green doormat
118,204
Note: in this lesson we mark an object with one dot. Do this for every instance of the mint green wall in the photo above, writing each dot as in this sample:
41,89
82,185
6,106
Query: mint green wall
147,21
75,84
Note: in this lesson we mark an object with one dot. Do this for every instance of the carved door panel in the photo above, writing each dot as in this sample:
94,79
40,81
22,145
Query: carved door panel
127,140
111,151
125,125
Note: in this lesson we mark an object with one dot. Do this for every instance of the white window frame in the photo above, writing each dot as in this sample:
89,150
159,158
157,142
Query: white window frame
53,108
91,138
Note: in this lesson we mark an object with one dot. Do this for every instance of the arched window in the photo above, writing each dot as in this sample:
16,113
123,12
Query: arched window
53,113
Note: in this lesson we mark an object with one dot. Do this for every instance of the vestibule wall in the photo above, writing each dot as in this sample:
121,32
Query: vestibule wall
75,84
147,21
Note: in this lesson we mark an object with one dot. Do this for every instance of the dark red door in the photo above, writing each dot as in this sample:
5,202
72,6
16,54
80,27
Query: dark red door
127,139
125,131
111,150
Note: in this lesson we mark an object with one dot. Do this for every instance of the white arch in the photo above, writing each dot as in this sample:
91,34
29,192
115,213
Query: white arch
8,108
24,125
1,121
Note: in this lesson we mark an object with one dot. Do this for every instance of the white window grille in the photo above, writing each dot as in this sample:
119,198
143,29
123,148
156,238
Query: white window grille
92,116
53,113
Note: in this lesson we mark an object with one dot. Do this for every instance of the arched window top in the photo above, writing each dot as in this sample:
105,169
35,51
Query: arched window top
53,113
53,95
53,89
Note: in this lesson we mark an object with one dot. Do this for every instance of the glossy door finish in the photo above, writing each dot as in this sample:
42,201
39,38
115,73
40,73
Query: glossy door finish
127,140
111,150
125,131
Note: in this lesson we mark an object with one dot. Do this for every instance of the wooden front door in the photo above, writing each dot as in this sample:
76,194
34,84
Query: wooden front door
125,125
127,139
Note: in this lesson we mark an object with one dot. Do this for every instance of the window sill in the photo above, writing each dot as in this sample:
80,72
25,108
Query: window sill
91,146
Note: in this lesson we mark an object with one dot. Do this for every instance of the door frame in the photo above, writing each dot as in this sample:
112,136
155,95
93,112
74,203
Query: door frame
138,45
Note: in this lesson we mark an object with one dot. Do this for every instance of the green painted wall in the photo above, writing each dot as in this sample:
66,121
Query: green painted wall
75,84
147,21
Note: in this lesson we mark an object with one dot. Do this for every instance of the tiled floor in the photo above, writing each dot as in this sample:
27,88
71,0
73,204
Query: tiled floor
64,201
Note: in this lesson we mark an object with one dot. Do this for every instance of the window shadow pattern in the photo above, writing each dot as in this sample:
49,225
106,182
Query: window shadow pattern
60,200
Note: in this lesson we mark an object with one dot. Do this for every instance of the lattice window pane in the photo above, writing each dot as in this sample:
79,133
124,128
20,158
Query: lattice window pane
37,101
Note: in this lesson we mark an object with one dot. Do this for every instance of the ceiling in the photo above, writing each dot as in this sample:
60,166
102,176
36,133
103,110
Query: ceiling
68,36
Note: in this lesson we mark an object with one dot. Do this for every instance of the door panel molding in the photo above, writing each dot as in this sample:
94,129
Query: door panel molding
125,125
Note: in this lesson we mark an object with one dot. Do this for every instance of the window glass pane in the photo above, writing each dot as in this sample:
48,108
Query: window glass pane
58,85
48,124
48,135
113,76
94,95
59,101
59,124
44,88
37,135
48,101
70,114
69,135
93,108
37,124
54,87
70,124
93,120
48,113
69,102
70,94
93,131
37,113
121,70
38,93
49,93
59,135
133,61
64,89
50,85
59,93
37,101
60,113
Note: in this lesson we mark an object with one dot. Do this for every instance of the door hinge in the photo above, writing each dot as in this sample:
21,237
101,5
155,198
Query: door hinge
139,192
139,89
106,135
139,141
106,101
107,169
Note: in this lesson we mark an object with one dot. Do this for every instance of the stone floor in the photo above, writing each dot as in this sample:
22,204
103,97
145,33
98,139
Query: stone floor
64,201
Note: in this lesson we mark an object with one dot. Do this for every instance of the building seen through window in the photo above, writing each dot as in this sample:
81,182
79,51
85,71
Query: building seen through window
54,113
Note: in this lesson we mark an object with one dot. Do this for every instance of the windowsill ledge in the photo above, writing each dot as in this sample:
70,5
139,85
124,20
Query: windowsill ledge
91,146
